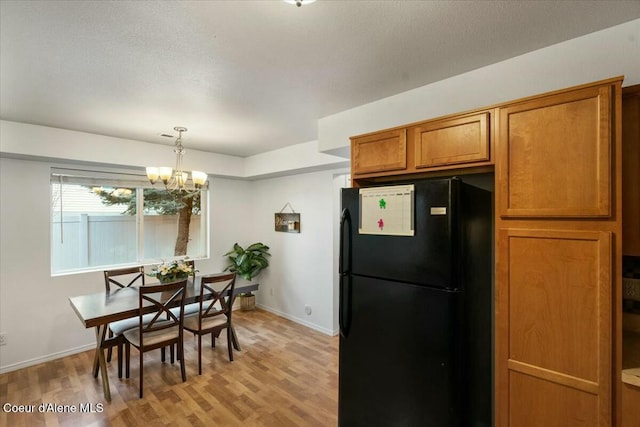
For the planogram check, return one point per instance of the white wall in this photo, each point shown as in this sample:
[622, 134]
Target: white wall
[231, 217]
[302, 269]
[608, 53]
[21, 140]
[297, 158]
[26, 140]
[34, 307]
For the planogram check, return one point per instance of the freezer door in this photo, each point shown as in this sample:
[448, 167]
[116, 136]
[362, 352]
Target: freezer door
[428, 257]
[399, 363]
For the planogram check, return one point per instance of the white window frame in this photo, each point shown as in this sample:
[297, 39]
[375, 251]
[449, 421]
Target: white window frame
[126, 179]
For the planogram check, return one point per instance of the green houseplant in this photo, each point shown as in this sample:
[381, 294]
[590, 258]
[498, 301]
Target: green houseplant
[247, 263]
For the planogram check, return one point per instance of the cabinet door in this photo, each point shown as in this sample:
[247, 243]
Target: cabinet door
[381, 152]
[631, 171]
[630, 406]
[554, 156]
[448, 142]
[553, 346]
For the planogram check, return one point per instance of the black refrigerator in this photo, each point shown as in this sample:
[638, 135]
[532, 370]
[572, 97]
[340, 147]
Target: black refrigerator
[415, 305]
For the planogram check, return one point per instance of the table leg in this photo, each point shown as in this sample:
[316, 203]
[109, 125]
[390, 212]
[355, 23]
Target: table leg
[234, 337]
[100, 363]
[100, 336]
[96, 362]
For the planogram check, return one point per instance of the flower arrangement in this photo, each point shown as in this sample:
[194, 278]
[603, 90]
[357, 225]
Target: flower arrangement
[170, 271]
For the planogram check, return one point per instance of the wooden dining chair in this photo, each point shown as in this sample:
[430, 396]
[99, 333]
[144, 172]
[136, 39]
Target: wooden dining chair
[209, 319]
[124, 277]
[165, 329]
[118, 279]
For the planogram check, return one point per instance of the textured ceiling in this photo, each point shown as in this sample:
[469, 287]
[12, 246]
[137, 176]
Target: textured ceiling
[251, 76]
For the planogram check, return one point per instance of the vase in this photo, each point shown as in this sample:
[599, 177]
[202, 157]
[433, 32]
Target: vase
[169, 278]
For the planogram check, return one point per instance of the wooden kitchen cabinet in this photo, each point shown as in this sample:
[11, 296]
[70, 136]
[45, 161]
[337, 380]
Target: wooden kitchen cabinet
[379, 152]
[556, 160]
[452, 141]
[631, 170]
[630, 406]
[558, 257]
[554, 322]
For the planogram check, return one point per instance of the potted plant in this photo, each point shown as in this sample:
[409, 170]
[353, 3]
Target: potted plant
[247, 263]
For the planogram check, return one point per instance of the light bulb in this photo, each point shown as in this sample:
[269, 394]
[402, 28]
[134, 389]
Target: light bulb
[153, 174]
[165, 174]
[182, 179]
[199, 178]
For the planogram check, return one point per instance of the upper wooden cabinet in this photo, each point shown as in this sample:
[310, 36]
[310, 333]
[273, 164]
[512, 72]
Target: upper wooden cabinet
[555, 155]
[453, 141]
[380, 152]
[631, 171]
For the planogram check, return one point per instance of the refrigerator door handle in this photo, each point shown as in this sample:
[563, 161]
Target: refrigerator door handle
[345, 221]
[344, 312]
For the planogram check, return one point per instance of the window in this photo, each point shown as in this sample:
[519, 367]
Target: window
[104, 220]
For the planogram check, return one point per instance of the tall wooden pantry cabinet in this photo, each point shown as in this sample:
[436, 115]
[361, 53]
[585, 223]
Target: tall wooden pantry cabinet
[558, 256]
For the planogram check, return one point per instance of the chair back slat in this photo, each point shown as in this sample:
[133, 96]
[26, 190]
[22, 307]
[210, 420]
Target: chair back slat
[224, 296]
[134, 276]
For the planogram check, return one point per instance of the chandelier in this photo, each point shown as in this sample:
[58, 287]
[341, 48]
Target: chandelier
[175, 180]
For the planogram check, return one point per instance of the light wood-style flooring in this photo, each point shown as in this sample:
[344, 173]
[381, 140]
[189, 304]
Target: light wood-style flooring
[285, 375]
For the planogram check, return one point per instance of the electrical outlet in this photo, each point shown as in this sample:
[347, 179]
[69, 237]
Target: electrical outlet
[307, 309]
[271, 291]
[3, 339]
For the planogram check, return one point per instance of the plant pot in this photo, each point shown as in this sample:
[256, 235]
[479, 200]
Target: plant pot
[169, 279]
[247, 302]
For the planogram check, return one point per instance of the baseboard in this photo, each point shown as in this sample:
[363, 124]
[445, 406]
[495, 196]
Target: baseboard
[47, 358]
[297, 320]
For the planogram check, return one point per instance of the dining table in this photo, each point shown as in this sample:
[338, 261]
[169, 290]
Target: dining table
[99, 309]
